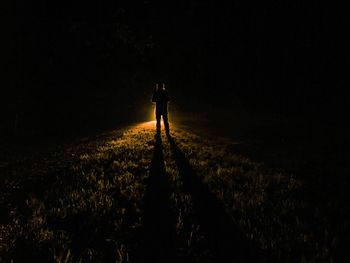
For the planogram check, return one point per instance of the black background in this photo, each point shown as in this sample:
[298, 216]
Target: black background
[80, 65]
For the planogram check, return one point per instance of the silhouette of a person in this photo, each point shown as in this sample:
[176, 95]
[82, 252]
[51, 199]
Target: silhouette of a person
[161, 98]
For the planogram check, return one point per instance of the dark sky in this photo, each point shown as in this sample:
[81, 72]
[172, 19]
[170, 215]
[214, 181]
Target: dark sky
[91, 59]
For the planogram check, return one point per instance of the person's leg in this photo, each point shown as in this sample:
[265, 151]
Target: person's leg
[166, 123]
[158, 122]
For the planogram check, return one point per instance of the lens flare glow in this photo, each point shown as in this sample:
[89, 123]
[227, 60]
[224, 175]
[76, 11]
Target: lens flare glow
[150, 125]
[147, 125]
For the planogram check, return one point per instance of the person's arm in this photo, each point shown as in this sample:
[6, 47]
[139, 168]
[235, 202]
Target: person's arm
[154, 98]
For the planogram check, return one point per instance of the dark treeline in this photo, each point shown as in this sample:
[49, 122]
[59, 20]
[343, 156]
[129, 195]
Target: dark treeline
[86, 64]
[75, 65]
[291, 55]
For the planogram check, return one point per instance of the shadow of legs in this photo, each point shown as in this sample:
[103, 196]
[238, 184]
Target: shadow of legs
[158, 232]
[226, 241]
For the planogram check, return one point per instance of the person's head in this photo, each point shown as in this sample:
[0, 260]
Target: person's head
[160, 86]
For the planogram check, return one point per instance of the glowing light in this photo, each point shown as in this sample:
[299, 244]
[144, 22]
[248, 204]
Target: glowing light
[150, 125]
[152, 113]
[147, 125]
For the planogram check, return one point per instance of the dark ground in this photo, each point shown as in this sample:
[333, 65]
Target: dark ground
[316, 156]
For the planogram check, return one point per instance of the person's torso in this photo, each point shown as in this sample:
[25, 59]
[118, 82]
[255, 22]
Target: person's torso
[162, 100]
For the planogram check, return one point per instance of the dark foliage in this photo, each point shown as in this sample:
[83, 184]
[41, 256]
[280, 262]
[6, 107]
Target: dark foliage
[81, 65]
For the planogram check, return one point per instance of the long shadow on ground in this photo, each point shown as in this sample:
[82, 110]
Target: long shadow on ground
[158, 234]
[226, 242]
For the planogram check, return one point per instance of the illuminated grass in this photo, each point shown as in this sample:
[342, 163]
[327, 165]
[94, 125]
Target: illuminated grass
[86, 204]
[267, 204]
[191, 243]
[92, 209]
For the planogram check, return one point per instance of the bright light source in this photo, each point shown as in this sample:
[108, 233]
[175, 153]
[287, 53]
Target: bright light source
[147, 125]
[150, 125]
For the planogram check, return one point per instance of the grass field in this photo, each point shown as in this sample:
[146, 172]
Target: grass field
[130, 196]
